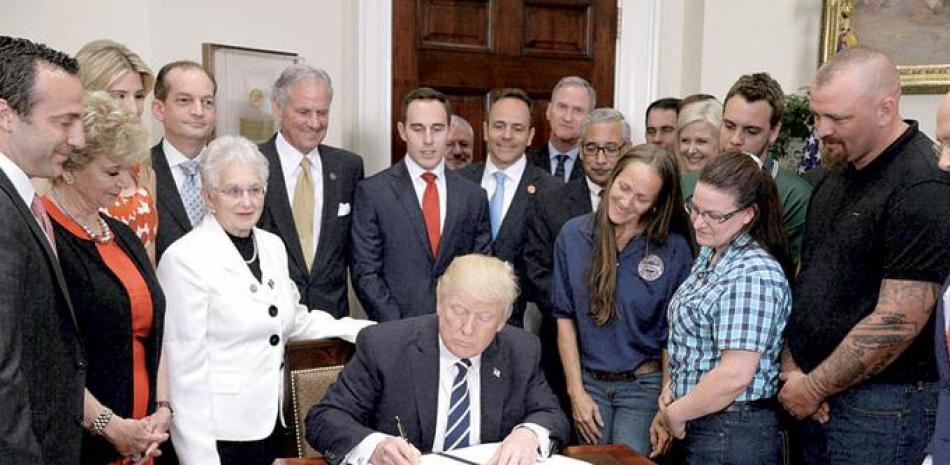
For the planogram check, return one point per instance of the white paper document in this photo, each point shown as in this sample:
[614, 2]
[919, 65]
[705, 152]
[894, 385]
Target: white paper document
[480, 454]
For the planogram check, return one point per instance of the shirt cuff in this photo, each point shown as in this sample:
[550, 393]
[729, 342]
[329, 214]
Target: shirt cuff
[928, 460]
[363, 451]
[544, 438]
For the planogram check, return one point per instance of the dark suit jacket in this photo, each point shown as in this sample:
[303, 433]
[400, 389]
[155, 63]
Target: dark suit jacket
[509, 245]
[103, 313]
[541, 157]
[940, 442]
[42, 365]
[173, 220]
[323, 287]
[396, 372]
[394, 272]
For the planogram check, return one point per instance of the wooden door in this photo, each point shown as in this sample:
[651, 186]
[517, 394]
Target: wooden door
[467, 48]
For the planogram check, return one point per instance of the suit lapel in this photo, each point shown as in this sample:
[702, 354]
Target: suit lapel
[167, 192]
[38, 235]
[494, 386]
[331, 200]
[579, 198]
[515, 214]
[405, 192]
[453, 215]
[278, 205]
[425, 370]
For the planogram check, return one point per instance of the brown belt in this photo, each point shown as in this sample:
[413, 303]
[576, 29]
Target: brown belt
[645, 368]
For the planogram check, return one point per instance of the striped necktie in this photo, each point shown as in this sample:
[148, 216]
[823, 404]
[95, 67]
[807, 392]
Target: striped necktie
[457, 428]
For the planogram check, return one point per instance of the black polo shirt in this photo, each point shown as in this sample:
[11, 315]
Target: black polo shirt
[888, 220]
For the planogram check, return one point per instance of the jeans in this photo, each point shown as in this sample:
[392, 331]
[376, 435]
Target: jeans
[874, 424]
[627, 407]
[745, 436]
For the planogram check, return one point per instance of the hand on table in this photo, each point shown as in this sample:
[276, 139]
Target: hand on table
[395, 451]
[519, 448]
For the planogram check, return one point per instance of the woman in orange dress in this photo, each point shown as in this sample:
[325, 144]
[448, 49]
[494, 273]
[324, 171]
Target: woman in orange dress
[110, 66]
[118, 302]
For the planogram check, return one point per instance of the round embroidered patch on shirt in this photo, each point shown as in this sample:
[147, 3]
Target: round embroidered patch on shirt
[650, 268]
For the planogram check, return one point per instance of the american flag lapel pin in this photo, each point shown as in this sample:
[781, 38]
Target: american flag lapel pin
[496, 372]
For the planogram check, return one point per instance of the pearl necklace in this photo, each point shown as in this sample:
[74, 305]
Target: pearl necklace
[253, 256]
[103, 237]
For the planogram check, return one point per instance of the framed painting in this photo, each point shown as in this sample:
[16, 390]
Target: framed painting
[244, 77]
[914, 33]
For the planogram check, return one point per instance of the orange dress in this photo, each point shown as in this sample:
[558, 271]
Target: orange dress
[141, 301]
[137, 209]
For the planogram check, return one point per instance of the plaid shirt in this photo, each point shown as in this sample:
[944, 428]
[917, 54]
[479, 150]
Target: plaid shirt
[742, 303]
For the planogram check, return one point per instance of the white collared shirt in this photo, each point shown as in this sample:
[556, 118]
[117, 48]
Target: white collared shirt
[513, 174]
[568, 164]
[415, 173]
[19, 179]
[447, 373]
[290, 159]
[175, 158]
[594, 189]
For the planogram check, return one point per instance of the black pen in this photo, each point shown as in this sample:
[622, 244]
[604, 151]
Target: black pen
[458, 459]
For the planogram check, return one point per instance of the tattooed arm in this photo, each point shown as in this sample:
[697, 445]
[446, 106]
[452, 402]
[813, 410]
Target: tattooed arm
[902, 310]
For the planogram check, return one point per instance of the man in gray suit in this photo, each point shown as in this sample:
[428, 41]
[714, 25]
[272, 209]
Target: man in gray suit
[442, 382]
[310, 189]
[42, 366]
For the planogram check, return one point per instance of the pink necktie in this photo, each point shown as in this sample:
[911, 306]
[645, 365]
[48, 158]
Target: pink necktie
[39, 211]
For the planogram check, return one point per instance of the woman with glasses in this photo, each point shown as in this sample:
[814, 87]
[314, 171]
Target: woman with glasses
[231, 308]
[726, 322]
[614, 272]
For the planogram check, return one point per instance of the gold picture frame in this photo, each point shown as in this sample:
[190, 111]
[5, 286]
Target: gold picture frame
[839, 29]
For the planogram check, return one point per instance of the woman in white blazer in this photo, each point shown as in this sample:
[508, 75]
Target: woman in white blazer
[231, 308]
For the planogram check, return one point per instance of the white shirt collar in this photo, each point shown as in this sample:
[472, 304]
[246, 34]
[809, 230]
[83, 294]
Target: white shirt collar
[285, 147]
[514, 171]
[19, 179]
[553, 151]
[447, 356]
[174, 156]
[415, 171]
[593, 186]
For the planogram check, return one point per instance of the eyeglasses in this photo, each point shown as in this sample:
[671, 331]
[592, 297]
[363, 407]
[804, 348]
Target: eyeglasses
[237, 192]
[591, 149]
[710, 217]
[940, 148]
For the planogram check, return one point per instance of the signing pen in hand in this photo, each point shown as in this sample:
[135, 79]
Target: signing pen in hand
[401, 430]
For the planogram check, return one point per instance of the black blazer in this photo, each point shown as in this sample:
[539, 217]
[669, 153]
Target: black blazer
[509, 245]
[42, 364]
[552, 209]
[396, 372]
[940, 441]
[323, 287]
[541, 157]
[103, 312]
[394, 272]
[173, 220]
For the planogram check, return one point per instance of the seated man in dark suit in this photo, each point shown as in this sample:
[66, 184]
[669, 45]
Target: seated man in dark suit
[411, 220]
[448, 381]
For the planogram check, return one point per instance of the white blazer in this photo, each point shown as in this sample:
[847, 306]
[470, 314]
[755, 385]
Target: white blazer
[224, 338]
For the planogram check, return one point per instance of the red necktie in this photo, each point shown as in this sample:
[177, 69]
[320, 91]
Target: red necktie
[430, 211]
[39, 212]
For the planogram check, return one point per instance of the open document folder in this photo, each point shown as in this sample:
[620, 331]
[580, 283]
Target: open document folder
[480, 454]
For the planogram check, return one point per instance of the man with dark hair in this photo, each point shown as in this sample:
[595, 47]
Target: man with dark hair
[572, 99]
[42, 365]
[413, 218]
[509, 181]
[751, 122]
[859, 365]
[184, 104]
[661, 118]
[310, 189]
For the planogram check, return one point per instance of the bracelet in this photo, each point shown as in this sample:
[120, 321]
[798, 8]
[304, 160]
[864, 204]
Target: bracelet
[101, 421]
[166, 404]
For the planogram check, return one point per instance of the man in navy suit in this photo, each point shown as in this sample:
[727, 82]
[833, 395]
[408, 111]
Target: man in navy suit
[510, 182]
[412, 219]
[552, 209]
[42, 366]
[184, 104]
[571, 100]
[437, 383]
[310, 189]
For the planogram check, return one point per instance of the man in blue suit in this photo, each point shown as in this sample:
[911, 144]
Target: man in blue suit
[438, 383]
[411, 220]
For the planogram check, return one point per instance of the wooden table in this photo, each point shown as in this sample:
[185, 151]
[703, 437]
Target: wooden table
[612, 454]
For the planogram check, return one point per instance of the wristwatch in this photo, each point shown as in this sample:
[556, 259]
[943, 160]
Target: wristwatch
[102, 420]
[166, 404]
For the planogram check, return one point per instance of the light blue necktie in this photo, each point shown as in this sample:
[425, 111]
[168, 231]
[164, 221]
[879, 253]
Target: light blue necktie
[496, 206]
[456, 429]
[191, 193]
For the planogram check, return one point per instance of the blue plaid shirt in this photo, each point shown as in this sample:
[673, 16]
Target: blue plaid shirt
[742, 303]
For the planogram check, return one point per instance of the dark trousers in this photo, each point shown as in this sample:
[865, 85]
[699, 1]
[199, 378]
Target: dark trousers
[260, 452]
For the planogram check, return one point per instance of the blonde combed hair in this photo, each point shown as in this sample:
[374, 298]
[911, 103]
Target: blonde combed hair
[481, 277]
[110, 131]
[103, 62]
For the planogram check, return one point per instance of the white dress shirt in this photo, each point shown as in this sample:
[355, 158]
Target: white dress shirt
[513, 175]
[415, 173]
[19, 179]
[290, 159]
[175, 158]
[594, 189]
